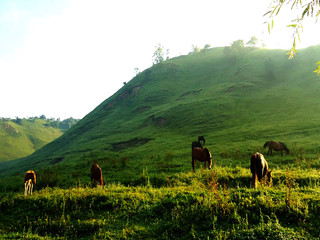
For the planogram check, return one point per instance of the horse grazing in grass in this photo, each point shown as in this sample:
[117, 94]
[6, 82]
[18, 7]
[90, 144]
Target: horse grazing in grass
[259, 169]
[29, 180]
[197, 144]
[277, 146]
[202, 155]
[96, 174]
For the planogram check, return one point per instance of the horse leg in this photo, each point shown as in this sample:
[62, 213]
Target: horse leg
[205, 164]
[25, 189]
[28, 188]
[254, 180]
[31, 188]
[281, 153]
[193, 163]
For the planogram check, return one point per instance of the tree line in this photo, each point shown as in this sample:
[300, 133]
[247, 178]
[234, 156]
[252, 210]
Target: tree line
[161, 53]
[49, 122]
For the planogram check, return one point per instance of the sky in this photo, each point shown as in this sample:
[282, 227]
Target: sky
[62, 58]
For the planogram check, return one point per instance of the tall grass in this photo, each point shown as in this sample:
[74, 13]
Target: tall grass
[192, 206]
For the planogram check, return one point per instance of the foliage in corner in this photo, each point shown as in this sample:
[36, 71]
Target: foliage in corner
[305, 8]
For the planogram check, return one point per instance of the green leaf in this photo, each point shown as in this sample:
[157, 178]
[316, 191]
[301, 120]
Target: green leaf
[278, 10]
[267, 13]
[306, 11]
[299, 36]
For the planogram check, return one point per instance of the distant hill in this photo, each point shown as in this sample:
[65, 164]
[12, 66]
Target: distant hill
[237, 100]
[21, 137]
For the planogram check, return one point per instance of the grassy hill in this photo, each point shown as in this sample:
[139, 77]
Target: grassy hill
[237, 102]
[141, 137]
[21, 137]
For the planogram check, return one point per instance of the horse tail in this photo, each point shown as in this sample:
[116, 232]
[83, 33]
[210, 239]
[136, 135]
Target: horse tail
[266, 144]
[206, 150]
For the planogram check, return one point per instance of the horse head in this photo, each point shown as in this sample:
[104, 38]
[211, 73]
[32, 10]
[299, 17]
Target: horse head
[201, 138]
[269, 176]
[285, 148]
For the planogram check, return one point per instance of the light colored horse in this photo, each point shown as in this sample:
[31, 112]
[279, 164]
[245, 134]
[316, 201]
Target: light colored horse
[29, 181]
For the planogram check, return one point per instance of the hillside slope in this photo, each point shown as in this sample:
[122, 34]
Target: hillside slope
[22, 137]
[237, 102]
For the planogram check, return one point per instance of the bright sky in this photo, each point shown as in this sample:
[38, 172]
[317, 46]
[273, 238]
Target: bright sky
[62, 58]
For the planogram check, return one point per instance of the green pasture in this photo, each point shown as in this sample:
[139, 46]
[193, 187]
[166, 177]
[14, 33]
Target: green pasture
[218, 204]
[141, 137]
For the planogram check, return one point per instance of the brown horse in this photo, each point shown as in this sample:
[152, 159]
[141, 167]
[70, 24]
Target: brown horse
[96, 174]
[259, 168]
[197, 144]
[277, 146]
[202, 155]
[29, 180]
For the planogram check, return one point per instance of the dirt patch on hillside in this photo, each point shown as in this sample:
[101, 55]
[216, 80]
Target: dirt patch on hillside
[127, 93]
[141, 109]
[10, 130]
[190, 93]
[159, 121]
[230, 89]
[130, 143]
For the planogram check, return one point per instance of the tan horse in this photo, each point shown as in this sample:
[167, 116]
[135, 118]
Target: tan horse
[259, 169]
[29, 181]
[96, 174]
[277, 146]
[202, 155]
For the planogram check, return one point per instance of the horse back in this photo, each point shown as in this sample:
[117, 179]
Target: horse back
[201, 154]
[30, 175]
[196, 144]
[96, 173]
[257, 165]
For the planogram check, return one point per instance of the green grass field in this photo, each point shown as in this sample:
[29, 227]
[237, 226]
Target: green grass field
[141, 137]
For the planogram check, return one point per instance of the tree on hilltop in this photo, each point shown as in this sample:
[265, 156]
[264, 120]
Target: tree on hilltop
[160, 54]
[252, 42]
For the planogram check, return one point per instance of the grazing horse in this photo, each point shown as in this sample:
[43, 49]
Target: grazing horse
[259, 168]
[201, 138]
[277, 146]
[29, 180]
[96, 174]
[202, 155]
[197, 144]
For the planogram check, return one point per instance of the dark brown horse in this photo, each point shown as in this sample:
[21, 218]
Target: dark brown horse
[197, 144]
[201, 139]
[277, 146]
[29, 180]
[259, 169]
[202, 155]
[96, 174]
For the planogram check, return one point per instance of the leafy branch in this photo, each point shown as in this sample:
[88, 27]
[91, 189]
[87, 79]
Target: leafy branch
[309, 8]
